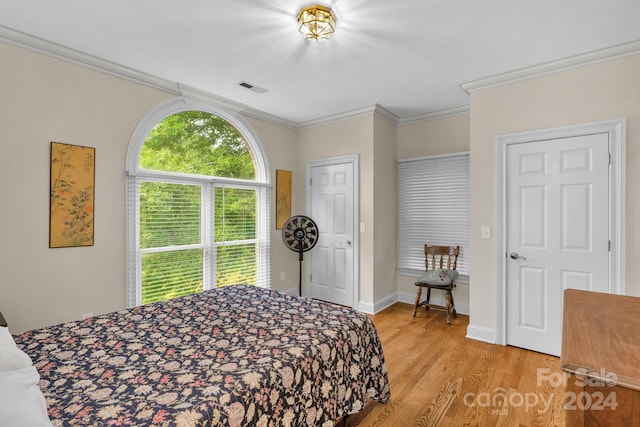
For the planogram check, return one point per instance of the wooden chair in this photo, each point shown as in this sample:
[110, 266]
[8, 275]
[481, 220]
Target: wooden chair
[440, 265]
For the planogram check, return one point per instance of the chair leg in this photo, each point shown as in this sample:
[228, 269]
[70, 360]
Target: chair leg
[417, 300]
[428, 298]
[449, 307]
[454, 313]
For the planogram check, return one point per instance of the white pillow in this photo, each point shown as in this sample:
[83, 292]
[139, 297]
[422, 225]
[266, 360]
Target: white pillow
[11, 357]
[22, 402]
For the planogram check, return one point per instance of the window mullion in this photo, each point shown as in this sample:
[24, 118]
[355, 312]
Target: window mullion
[208, 236]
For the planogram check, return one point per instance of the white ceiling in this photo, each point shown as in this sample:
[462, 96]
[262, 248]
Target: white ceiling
[408, 56]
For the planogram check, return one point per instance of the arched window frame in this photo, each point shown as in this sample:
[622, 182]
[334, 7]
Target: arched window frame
[136, 174]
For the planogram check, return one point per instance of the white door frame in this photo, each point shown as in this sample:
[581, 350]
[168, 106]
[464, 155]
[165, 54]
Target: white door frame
[617, 204]
[353, 159]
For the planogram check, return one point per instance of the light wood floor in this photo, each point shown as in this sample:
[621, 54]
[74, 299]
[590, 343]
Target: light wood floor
[440, 378]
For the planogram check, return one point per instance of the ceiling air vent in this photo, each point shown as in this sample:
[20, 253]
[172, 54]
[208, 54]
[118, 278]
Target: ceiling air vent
[254, 88]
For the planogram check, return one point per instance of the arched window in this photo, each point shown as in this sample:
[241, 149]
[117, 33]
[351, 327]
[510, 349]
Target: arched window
[197, 204]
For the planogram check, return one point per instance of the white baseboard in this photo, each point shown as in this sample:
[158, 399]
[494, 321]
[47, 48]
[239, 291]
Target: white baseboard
[377, 307]
[366, 307]
[479, 333]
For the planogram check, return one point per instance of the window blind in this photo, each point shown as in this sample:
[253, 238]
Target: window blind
[433, 208]
[235, 214]
[172, 251]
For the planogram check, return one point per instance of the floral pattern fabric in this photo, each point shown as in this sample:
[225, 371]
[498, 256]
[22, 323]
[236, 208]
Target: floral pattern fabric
[234, 356]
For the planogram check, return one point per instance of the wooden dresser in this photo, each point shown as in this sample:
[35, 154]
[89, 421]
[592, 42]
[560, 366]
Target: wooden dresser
[601, 358]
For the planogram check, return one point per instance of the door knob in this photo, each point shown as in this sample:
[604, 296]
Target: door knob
[514, 255]
[349, 242]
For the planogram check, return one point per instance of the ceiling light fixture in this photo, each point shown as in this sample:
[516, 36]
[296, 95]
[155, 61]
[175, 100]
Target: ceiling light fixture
[316, 22]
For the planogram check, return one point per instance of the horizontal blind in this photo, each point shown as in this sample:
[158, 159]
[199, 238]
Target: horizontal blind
[235, 264]
[170, 225]
[170, 214]
[433, 208]
[263, 274]
[171, 274]
[235, 214]
[133, 261]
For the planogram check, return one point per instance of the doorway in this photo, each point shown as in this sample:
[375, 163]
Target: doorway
[562, 212]
[332, 202]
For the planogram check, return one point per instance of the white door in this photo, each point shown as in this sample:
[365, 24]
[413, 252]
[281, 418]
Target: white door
[557, 233]
[331, 261]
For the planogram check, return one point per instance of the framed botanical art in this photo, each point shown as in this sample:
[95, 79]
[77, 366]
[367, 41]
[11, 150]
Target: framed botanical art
[283, 197]
[72, 194]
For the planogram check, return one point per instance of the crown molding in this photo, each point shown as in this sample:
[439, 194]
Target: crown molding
[447, 112]
[382, 112]
[358, 112]
[269, 118]
[571, 62]
[374, 109]
[191, 92]
[235, 108]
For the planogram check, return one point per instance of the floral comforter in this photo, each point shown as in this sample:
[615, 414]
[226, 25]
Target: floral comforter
[233, 356]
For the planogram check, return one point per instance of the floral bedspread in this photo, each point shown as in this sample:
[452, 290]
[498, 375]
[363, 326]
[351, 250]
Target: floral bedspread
[234, 356]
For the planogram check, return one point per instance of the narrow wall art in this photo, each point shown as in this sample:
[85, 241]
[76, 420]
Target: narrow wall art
[72, 195]
[283, 197]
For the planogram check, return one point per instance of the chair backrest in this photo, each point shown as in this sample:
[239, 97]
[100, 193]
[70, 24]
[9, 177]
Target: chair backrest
[436, 257]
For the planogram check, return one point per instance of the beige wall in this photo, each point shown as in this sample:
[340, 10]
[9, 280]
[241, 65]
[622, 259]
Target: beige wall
[433, 137]
[384, 222]
[346, 137]
[280, 143]
[609, 90]
[44, 100]
[444, 135]
[373, 139]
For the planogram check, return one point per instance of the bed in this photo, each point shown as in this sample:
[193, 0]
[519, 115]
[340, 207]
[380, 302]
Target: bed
[234, 356]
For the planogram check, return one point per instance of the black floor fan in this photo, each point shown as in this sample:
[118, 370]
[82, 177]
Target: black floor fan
[300, 234]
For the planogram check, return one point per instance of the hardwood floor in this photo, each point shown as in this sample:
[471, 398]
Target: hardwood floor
[440, 378]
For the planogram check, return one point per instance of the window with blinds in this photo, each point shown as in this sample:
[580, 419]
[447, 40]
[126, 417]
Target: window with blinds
[433, 208]
[171, 247]
[235, 235]
[188, 232]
